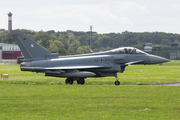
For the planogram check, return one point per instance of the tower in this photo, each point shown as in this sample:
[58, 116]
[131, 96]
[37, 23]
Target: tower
[9, 22]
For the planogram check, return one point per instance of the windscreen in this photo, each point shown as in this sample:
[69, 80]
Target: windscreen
[128, 50]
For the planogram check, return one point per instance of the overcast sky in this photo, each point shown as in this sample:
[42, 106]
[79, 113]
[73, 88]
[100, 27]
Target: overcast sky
[105, 15]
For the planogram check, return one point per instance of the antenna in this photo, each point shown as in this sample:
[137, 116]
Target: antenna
[91, 27]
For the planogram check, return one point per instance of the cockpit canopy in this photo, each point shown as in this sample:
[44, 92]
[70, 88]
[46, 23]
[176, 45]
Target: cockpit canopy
[128, 50]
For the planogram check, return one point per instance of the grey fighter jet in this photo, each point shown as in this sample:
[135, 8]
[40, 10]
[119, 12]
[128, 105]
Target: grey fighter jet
[78, 67]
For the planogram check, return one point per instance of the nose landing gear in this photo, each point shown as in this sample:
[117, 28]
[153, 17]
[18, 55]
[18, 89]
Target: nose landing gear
[116, 82]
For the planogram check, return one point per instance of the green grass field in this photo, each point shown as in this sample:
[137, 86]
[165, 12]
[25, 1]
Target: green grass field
[49, 98]
[133, 75]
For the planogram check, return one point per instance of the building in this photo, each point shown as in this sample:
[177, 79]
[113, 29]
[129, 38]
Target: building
[9, 52]
[147, 47]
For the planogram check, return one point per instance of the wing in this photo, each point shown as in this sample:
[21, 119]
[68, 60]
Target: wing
[134, 62]
[64, 68]
[74, 67]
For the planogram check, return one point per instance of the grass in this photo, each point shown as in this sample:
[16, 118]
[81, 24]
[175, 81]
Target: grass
[89, 102]
[49, 98]
[133, 75]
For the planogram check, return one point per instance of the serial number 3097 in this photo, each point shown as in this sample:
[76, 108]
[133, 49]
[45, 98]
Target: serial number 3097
[101, 60]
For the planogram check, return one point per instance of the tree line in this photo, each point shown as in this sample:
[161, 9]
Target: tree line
[77, 42]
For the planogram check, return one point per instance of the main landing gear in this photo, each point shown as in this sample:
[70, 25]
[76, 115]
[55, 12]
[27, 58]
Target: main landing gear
[116, 82]
[70, 81]
[81, 81]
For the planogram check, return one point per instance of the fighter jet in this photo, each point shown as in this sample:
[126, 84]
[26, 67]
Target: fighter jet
[78, 67]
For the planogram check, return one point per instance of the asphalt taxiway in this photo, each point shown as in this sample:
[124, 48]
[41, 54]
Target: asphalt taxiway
[172, 84]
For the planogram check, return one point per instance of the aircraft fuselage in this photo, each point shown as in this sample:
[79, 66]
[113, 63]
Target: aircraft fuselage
[77, 67]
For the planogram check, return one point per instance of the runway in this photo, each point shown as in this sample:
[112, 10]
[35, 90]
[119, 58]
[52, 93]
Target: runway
[169, 84]
[172, 84]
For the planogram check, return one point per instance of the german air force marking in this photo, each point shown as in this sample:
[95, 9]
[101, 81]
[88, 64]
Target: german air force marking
[101, 60]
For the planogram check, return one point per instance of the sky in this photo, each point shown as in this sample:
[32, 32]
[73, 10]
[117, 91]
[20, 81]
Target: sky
[106, 16]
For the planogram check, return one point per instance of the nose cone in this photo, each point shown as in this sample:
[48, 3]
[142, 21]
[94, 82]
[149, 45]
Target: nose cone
[156, 59]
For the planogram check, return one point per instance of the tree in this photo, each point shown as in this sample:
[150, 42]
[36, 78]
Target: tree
[50, 31]
[165, 42]
[57, 47]
[44, 38]
[53, 47]
[74, 45]
[83, 50]
[71, 37]
[105, 41]
[83, 40]
[139, 45]
[64, 40]
[7, 38]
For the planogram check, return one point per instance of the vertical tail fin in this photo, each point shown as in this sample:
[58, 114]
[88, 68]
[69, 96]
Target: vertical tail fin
[29, 48]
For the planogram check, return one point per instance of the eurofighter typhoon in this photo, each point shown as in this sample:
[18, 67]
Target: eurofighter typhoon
[78, 67]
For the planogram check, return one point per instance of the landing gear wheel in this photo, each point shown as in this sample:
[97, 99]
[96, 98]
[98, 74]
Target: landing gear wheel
[117, 83]
[69, 81]
[81, 81]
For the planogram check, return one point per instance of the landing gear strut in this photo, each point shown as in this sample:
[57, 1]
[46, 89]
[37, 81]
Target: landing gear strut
[69, 81]
[116, 82]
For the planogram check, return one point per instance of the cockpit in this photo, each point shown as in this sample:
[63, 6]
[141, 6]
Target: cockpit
[128, 50]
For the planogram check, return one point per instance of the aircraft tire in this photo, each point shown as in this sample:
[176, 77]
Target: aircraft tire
[81, 81]
[117, 83]
[69, 81]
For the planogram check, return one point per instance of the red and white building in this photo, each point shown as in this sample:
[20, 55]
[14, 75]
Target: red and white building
[9, 52]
